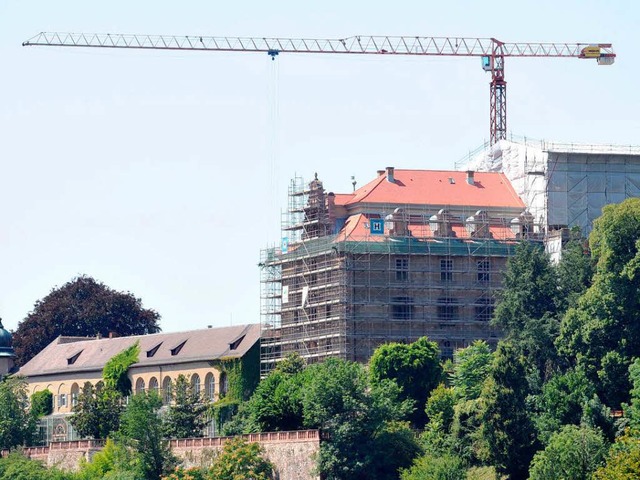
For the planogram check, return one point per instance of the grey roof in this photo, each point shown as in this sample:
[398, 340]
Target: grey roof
[198, 345]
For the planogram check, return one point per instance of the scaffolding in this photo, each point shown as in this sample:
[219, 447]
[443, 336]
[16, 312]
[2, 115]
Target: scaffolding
[336, 294]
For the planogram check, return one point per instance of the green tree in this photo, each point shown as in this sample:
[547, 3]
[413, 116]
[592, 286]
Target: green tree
[113, 459]
[115, 371]
[440, 405]
[506, 426]
[18, 467]
[185, 416]
[41, 403]
[526, 312]
[430, 467]
[81, 307]
[97, 412]
[561, 402]
[573, 453]
[632, 412]
[241, 460]
[623, 459]
[601, 333]
[414, 367]
[141, 429]
[471, 367]
[17, 425]
[339, 399]
[574, 272]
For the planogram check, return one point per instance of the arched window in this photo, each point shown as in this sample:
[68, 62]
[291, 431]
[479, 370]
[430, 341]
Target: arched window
[195, 383]
[209, 386]
[62, 396]
[153, 384]
[166, 391]
[75, 391]
[139, 385]
[224, 384]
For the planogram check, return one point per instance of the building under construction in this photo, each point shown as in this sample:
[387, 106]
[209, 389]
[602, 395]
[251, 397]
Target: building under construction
[411, 253]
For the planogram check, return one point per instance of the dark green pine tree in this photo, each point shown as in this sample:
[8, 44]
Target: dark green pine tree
[507, 429]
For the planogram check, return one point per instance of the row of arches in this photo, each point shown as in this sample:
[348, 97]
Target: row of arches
[206, 390]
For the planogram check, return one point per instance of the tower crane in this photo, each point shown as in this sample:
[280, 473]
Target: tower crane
[491, 51]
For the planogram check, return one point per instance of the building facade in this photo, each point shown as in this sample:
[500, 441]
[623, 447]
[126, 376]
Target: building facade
[65, 365]
[412, 253]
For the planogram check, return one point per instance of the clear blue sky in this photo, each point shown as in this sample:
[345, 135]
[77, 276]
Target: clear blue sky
[164, 173]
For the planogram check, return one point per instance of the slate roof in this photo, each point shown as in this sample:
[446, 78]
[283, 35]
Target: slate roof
[172, 348]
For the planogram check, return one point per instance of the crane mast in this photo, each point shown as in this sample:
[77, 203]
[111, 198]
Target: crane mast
[491, 51]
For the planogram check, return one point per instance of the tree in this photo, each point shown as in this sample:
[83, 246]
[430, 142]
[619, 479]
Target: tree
[339, 399]
[440, 405]
[601, 333]
[113, 459]
[561, 402]
[526, 312]
[471, 367]
[574, 272]
[41, 403]
[623, 459]
[574, 452]
[429, 467]
[414, 367]
[18, 467]
[81, 307]
[185, 416]
[17, 425]
[506, 427]
[141, 429]
[97, 412]
[239, 460]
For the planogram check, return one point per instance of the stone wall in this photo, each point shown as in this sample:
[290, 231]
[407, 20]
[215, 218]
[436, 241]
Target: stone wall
[292, 453]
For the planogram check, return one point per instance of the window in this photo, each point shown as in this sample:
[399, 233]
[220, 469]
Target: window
[166, 390]
[484, 271]
[236, 343]
[139, 385]
[176, 350]
[484, 309]
[71, 360]
[402, 269]
[153, 384]
[209, 386]
[152, 352]
[446, 270]
[447, 309]
[75, 390]
[224, 384]
[328, 311]
[313, 313]
[402, 308]
[62, 400]
[195, 383]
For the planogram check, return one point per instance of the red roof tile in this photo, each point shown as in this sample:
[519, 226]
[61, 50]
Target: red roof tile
[439, 187]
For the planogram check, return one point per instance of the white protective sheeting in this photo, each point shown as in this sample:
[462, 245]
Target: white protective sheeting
[564, 185]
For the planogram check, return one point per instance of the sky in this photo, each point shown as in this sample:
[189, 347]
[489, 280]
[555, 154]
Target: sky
[164, 174]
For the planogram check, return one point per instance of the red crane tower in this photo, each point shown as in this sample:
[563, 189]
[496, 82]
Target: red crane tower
[491, 51]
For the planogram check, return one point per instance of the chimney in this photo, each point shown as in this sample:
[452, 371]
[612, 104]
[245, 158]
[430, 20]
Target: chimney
[470, 180]
[113, 335]
[380, 173]
[390, 175]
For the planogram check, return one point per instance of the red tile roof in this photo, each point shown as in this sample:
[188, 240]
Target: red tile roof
[434, 187]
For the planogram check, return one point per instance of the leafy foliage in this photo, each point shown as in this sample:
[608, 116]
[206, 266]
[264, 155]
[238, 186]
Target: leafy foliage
[415, 367]
[185, 416]
[429, 467]
[440, 406]
[17, 425]
[240, 460]
[41, 403]
[97, 412]
[573, 452]
[114, 459]
[471, 367]
[623, 459]
[506, 426]
[141, 429]
[18, 467]
[115, 370]
[81, 307]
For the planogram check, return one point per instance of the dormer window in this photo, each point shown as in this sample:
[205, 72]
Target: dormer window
[152, 352]
[234, 345]
[71, 360]
[176, 350]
